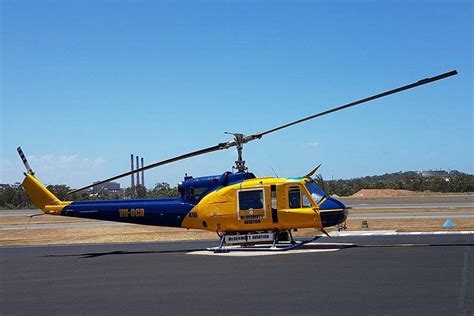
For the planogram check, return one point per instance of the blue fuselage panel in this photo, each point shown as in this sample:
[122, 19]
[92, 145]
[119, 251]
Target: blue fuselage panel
[159, 212]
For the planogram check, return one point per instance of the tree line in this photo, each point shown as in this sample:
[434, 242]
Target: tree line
[14, 196]
[455, 181]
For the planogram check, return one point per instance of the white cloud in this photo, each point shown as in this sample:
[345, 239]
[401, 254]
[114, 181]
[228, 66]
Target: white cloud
[313, 144]
[64, 162]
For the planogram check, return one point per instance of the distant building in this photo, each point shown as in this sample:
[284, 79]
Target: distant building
[109, 186]
[434, 173]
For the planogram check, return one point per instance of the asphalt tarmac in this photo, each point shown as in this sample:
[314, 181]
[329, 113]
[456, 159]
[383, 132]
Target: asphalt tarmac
[390, 275]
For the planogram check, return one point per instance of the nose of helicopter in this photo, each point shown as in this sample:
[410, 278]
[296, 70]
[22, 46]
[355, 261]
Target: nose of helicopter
[332, 212]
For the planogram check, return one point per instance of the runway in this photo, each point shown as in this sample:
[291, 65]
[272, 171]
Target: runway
[394, 275]
[433, 202]
[436, 202]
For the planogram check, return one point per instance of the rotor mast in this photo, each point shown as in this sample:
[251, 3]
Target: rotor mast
[239, 140]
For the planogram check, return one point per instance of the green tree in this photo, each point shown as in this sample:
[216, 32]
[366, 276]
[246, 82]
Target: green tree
[140, 191]
[164, 190]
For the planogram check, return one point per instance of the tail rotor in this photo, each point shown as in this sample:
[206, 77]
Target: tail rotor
[25, 161]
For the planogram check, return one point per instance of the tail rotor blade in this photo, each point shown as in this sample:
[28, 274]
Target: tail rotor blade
[25, 161]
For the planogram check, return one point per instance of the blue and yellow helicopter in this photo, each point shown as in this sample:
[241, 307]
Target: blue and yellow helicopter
[240, 207]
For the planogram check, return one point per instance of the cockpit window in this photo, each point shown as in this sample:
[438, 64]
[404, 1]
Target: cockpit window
[316, 192]
[306, 202]
[296, 196]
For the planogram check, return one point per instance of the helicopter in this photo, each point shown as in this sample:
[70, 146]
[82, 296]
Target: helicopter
[241, 208]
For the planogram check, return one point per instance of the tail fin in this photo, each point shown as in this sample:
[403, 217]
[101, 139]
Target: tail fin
[38, 193]
[41, 197]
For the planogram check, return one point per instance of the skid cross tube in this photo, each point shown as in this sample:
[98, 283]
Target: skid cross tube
[275, 245]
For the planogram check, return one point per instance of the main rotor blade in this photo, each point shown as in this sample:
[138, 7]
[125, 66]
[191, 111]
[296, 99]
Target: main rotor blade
[160, 163]
[239, 142]
[348, 105]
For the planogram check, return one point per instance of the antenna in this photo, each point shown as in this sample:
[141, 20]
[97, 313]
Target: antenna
[274, 172]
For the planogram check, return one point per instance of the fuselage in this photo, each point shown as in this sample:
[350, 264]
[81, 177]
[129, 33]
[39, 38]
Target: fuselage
[232, 202]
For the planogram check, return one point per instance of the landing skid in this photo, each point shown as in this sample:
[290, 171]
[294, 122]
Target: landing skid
[275, 246]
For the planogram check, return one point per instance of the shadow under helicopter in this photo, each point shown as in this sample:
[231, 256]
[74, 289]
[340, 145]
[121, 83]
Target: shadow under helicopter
[338, 246]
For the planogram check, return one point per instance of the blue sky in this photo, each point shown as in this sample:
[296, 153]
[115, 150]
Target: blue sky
[86, 83]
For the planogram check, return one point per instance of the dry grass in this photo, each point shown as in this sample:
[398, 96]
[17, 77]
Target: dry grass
[111, 234]
[43, 219]
[139, 233]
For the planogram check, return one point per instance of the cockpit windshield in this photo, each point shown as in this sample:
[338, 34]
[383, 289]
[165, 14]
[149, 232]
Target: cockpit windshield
[316, 192]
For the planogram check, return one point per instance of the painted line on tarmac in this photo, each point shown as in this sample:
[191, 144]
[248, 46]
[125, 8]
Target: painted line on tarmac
[265, 250]
[394, 233]
[257, 253]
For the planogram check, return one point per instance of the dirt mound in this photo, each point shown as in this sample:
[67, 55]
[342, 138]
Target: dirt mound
[382, 193]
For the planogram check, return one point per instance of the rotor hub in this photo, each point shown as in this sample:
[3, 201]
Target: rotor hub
[239, 141]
